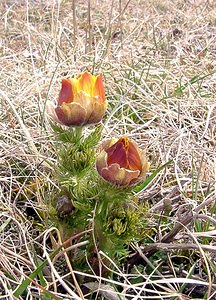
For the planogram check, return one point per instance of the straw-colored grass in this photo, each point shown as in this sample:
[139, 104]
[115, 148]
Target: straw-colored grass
[158, 64]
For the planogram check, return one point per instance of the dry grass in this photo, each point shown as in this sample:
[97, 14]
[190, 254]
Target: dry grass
[158, 61]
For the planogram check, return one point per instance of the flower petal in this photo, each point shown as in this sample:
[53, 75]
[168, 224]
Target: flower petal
[71, 114]
[85, 101]
[131, 177]
[101, 161]
[119, 176]
[133, 157]
[145, 164]
[50, 110]
[86, 82]
[108, 143]
[98, 89]
[66, 93]
[117, 154]
[98, 112]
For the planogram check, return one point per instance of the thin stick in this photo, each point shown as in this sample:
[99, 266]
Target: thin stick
[74, 27]
[169, 247]
[71, 269]
[120, 21]
[66, 287]
[89, 25]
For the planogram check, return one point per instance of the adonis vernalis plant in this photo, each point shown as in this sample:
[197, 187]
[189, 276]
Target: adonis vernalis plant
[96, 186]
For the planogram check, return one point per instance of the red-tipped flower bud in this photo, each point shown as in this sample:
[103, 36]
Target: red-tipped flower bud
[122, 162]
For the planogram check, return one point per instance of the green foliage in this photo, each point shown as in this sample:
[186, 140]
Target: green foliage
[76, 153]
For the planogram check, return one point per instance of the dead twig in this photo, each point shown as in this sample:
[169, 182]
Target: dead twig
[168, 247]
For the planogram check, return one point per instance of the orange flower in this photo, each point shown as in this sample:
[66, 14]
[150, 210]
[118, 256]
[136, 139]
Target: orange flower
[122, 162]
[81, 101]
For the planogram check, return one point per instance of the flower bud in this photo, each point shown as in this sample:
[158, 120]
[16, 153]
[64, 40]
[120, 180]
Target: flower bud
[122, 162]
[81, 101]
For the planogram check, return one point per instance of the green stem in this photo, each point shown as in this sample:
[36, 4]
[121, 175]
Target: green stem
[78, 132]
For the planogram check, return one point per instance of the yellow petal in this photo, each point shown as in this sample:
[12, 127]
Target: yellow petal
[86, 82]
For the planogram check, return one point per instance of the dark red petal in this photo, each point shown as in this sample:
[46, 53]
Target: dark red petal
[66, 93]
[133, 158]
[117, 154]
